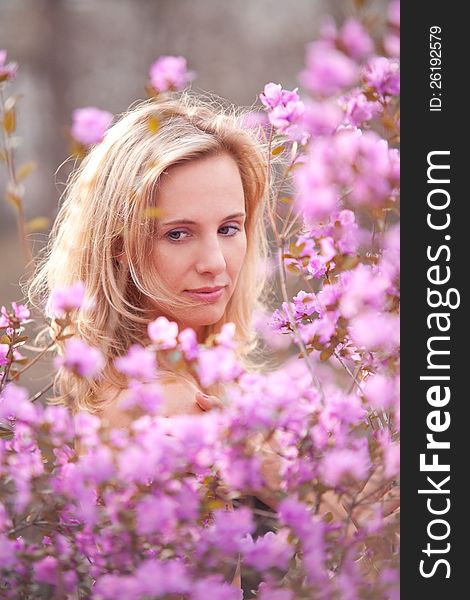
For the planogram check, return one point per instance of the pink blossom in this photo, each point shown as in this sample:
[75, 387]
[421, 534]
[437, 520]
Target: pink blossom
[226, 336]
[20, 313]
[364, 287]
[7, 70]
[90, 124]
[380, 391]
[217, 364]
[306, 304]
[321, 118]
[80, 358]
[274, 95]
[163, 333]
[394, 13]
[45, 570]
[260, 323]
[86, 427]
[359, 109]
[392, 460]
[169, 73]
[138, 363]
[352, 39]
[392, 45]
[327, 70]
[231, 527]
[355, 40]
[4, 348]
[98, 465]
[219, 590]
[15, 404]
[267, 551]
[340, 462]
[156, 515]
[374, 330]
[267, 592]
[188, 343]
[383, 75]
[148, 397]
[315, 199]
[284, 116]
[65, 299]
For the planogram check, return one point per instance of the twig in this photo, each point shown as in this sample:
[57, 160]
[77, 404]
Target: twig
[41, 392]
[299, 341]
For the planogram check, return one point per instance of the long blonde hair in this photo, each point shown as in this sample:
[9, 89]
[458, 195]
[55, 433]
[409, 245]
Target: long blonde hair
[108, 212]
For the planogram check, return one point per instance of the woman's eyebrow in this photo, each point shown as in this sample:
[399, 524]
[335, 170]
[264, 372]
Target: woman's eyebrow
[189, 222]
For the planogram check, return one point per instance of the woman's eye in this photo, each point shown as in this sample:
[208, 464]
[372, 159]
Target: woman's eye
[178, 235]
[229, 229]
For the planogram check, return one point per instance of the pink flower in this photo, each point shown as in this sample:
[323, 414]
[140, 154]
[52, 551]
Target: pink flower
[138, 363]
[226, 336]
[266, 592]
[45, 570]
[4, 348]
[217, 364]
[355, 40]
[260, 322]
[163, 333]
[394, 13]
[321, 118]
[338, 463]
[359, 109]
[231, 527]
[274, 95]
[352, 39]
[392, 45]
[21, 312]
[169, 73]
[7, 70]
[148, 397]
[80, 358]
[90, 124]
[219, 590]
[284, 116]
[268, 551]
[380, 391]
[65, 299]
[15, 404]
[373, 330]
[315, 199]
[327, 70]
[188, 343]
[383, 74]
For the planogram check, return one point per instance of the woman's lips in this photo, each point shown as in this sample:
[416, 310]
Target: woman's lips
[206, 296]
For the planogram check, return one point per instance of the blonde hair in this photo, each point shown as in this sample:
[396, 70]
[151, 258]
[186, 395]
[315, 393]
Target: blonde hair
[108, 212]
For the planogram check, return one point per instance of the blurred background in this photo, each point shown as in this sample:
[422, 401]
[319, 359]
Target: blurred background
[76, 53]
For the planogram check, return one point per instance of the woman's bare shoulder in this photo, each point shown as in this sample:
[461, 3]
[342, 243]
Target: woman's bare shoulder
[178, 398]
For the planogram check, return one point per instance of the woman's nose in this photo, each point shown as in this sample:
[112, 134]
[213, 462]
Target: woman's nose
[211, 258]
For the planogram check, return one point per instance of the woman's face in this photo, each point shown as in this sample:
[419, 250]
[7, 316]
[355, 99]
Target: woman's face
[201, 242]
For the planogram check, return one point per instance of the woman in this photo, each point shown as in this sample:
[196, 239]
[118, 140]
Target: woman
[164, 217]
[117, 231]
